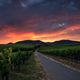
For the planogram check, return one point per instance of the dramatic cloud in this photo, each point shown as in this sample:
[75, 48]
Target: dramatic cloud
[46, 20]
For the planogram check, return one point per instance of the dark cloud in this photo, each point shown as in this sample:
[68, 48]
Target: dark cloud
[38, 16]
[17, 11]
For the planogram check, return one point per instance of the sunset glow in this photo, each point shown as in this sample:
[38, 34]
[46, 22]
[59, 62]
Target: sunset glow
[42, 20]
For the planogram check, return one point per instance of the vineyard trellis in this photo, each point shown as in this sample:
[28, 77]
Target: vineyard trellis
[10, 61]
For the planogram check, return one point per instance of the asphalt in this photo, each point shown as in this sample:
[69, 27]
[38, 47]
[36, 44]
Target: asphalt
[56, 71]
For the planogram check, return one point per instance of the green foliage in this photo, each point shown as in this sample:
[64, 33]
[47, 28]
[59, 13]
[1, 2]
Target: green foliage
[19, 58]
[17, 47]
[5, 64]
[66, 51]
[12, 57]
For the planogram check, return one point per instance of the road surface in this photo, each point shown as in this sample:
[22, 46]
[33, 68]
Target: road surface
[57, 71]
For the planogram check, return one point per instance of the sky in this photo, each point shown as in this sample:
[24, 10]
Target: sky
[46, 20]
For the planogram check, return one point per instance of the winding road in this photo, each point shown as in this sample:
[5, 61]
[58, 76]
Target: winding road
[57, 71]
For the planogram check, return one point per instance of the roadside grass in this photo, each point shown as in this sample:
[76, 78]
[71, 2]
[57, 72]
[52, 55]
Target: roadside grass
[31, 70]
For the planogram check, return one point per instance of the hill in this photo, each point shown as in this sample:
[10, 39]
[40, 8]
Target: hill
[30, 42]
[38, 42]
[66, 42]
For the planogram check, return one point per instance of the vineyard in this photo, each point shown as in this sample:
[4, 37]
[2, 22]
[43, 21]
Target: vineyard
[12, 57]
[71, 52]
[18, 62]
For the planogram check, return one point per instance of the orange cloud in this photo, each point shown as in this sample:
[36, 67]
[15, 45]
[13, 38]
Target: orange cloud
[63, 34]
[13, 35]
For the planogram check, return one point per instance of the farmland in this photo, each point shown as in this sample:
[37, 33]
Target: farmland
[68, 52]
[18, 62]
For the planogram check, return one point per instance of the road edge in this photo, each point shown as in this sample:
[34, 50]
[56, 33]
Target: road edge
[69, 67]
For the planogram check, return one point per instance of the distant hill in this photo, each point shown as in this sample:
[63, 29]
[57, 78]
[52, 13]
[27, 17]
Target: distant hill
[66, 42]
[38, 42]
[30, 42]
[10, 43]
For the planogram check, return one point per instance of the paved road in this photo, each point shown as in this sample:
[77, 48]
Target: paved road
[57, 71]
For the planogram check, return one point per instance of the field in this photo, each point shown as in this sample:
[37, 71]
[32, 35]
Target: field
[18, 62]
[65, 52]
